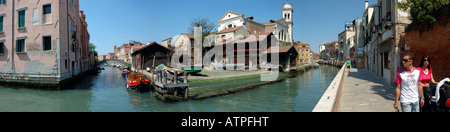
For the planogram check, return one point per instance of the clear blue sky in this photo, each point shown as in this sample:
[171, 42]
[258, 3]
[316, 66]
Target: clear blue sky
[117, 21]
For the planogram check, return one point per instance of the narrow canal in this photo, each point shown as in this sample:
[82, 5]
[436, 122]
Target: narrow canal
[106, 92]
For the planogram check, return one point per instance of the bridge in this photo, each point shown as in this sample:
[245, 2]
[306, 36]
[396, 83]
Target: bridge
[113, 61]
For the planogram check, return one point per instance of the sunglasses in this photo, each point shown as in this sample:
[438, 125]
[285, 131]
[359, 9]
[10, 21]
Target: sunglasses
[425, 60]
[406, 60]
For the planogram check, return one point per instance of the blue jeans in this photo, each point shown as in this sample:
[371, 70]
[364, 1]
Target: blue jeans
[410, 106]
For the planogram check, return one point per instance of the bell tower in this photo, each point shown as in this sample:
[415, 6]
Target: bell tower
[287, 15]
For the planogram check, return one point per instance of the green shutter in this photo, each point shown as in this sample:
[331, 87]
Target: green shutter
[21, 19]
[1, 23]
[17, 46]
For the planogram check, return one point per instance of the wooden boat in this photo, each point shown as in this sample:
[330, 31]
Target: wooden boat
[192, 70]
[136, 82]
[125, 72]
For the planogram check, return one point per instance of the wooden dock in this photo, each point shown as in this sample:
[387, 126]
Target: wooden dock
[169, 86]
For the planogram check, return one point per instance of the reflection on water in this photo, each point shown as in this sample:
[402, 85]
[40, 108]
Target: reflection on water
[107, 92]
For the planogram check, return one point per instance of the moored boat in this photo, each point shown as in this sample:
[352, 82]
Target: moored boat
[136, 82]
[316, 65]
[125, 72]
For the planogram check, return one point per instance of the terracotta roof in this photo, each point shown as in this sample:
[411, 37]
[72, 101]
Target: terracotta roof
[191, 36]
[230, 29]
[281, 49]
[330, 42]
[246, 38]
[137, 47]
[149, 45]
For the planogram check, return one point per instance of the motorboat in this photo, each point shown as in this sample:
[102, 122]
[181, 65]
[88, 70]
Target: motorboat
[125, 72]
[316, 65]
[136, 82]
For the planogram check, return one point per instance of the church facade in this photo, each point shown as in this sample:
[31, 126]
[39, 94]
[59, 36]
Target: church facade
[233, 24]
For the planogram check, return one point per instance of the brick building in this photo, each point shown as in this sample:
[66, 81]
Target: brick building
[433, 41]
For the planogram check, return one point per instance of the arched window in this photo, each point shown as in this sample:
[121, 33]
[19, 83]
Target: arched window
[289, 16]
[285, 16]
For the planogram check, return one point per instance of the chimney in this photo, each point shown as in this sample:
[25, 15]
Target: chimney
[366, 3]
[250, 18]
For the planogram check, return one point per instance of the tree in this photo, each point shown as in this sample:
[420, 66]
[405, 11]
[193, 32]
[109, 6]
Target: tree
[92, 49]
[422, 11]
[206, 25]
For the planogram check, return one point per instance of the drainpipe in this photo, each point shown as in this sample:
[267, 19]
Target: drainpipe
[68, 36]
[13, 51]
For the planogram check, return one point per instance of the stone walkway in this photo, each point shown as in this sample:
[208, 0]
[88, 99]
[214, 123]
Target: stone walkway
[363, 91]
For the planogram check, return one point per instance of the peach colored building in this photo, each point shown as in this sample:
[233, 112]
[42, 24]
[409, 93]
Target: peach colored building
[43, 39]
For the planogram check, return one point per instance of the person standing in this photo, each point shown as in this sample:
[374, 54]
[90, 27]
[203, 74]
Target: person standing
[348, 64]
[409, 86]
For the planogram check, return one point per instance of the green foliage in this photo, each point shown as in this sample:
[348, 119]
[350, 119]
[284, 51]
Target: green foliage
[92, 48]
[422, 11]
[287, 44]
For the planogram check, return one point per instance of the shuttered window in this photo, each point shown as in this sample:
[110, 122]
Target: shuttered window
[20, 45]
[1, 23]
[22, 19]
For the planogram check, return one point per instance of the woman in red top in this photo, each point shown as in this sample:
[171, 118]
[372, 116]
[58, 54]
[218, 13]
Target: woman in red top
[427, 78]
[427, 72]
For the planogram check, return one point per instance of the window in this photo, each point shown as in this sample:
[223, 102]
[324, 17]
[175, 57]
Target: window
[279, 35]
[72, 27]
[388, 10]
[35, 19]
[1, 23]
[71, 3]
[230, 26]
[20, 45]
[1, 47]
[2, 2]
[289, 16]
[47, 9]
[47, 14]
[65, 64]
[47, 43]
[386, 60]
[22, 19]
[380, 13]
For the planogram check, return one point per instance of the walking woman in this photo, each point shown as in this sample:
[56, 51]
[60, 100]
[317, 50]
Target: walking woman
[427, 79]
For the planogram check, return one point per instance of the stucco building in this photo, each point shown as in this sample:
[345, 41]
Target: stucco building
[384, 26]
[46, 38]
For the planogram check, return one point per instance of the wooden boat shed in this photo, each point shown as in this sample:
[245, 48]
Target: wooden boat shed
[151, 56]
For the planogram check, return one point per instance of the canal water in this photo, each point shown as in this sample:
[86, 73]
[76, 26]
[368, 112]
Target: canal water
[106, 92]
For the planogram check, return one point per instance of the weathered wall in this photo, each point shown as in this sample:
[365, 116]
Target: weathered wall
[433, 41]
